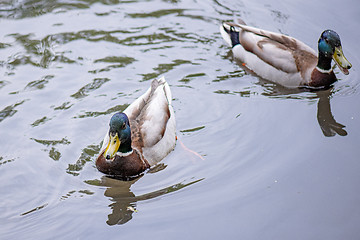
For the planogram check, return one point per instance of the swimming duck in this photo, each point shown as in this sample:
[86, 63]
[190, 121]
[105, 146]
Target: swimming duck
[283, 59]
[141, 135]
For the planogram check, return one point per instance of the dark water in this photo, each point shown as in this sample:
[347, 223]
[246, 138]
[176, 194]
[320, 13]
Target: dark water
[278, 164]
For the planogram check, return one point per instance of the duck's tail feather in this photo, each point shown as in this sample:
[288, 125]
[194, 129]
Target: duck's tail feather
[230, 33]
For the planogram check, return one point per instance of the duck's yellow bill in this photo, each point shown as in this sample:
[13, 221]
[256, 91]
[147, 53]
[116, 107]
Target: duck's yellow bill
[341, 60]
[112, 147]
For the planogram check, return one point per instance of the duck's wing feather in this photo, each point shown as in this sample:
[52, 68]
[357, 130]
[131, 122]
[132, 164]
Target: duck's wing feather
[149, 115]
[278, 50]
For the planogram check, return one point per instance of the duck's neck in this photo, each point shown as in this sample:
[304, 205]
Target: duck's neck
[125, 147]
[324, 63]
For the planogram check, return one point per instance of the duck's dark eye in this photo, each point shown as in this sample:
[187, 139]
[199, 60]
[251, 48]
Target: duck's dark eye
[123, 126]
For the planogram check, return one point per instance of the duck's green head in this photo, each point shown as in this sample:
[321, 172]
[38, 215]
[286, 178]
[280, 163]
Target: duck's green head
[329, 46]
[119, 136]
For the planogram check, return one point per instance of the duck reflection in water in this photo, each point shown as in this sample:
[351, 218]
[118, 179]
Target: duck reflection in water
[124, 201]
[326, 120]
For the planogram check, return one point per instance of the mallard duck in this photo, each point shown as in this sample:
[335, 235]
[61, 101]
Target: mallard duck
[286, 60]
[141, 135]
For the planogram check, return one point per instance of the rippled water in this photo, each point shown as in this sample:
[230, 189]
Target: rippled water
[277, 164]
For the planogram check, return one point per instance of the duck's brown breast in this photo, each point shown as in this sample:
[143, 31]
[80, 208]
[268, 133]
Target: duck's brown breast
[320, 79]
[126, 166]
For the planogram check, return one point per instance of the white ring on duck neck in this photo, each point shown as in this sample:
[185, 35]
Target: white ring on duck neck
[324, 71]
[121, 154]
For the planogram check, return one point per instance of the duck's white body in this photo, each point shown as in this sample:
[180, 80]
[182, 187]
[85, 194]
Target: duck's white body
[273, 56]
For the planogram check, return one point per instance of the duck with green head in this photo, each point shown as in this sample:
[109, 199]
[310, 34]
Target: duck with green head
[141, 136]
[283, 59]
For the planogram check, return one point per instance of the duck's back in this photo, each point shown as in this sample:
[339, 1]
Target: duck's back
[152, 122]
